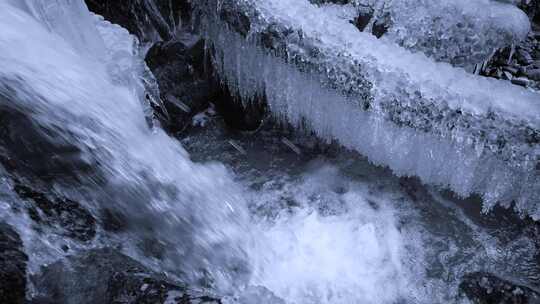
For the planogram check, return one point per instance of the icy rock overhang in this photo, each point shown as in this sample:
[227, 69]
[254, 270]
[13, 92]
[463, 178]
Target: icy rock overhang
[461, 32]
[401, 110]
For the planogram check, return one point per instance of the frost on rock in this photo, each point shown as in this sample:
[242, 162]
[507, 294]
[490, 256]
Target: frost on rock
[461, 32]
[402, 110]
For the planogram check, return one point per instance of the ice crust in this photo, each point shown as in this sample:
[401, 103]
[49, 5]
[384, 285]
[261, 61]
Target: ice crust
[461, 32]
[401, 110]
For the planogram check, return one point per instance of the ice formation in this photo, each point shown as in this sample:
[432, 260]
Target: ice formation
[402, 110]
[461, 32]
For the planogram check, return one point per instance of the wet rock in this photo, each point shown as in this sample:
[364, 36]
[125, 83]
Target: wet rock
[240, 115]
[108, 276]
[510, 69]
[32, 149]
[521, 81]
[365, 14]
[381, 26]
[12, 266]
[183, 78]
[485, 288]
[237, 20]
[70, 217]
[524, 57]
[113, 220]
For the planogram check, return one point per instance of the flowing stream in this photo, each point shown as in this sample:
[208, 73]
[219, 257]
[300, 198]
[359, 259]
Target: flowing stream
[256, 224]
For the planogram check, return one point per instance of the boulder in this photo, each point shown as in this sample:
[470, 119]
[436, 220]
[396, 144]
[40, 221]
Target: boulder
[108, 276]
[12, 266]
[184, 82]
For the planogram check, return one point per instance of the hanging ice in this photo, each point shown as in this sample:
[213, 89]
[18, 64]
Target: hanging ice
[402, 110]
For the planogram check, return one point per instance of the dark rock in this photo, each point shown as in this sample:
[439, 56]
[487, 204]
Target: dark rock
[113, 220]
[485, 288]
[32, 149]
[512, 70]
[523, 56]
[521, 81]
[364, 17]
[69, 216]
[381, 26]
[241, 115]
[184, 81]
[12, 266]
[107, 276]
[532, 8]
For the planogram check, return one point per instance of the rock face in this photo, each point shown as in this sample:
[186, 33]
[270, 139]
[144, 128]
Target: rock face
[107, 276]
[184, 82]
[32, 149]
[70, 217]
[12, 266]
[40, 154]
[485, 288]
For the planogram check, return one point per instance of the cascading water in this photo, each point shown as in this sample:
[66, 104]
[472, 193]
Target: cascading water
[145, 174]
[266, 227]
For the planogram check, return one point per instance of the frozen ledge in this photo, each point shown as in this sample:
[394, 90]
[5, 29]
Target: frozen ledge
[401, 110]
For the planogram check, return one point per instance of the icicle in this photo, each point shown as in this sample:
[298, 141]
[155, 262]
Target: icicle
[372, 103]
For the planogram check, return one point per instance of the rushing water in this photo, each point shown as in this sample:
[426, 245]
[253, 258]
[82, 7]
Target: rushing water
[335, 229]
[324, 226]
